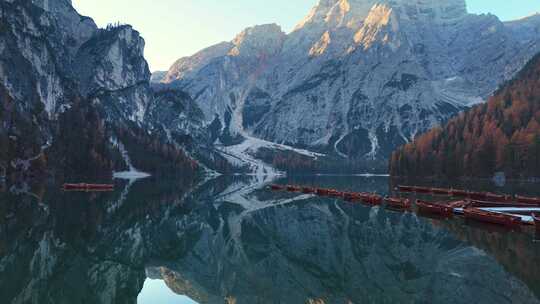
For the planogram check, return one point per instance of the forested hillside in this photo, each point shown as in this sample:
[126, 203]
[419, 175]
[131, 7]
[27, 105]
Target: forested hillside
[502, 135]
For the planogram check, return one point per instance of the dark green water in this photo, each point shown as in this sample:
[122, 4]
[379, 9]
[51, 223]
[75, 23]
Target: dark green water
[229, 241]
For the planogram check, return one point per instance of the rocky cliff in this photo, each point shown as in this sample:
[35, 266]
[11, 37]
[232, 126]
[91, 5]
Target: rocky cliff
[72, 93]
[355, 78]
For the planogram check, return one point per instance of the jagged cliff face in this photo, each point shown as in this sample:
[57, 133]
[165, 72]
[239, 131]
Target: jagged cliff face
[58, 72]
[111, 69]
[41, 38]
[356, 78]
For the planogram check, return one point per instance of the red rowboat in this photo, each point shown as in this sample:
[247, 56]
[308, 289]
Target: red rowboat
[401, 203]
[321, 191]
[502, 198]
[405, 188]
[440, 191]
[422, 190]
[459, 193]
[83, 186]
[528, 200]
[293, 188]
[491, 217]
[458, 204]
[335, 193]
[478, 203]
[277, 187]
[373, 199]
[308, 190]
[443, 210]
[349, 196]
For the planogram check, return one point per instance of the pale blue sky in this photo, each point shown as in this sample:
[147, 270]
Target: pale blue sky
[177, 28]
[157, 292]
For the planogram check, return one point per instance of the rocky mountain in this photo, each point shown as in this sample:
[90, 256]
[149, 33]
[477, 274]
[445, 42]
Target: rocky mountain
[75, 97]
[355, 78]
[502, 135]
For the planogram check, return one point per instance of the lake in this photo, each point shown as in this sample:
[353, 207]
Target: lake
[230, 240]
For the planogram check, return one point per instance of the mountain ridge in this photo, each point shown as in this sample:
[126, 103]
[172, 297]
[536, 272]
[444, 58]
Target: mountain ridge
[357, 90]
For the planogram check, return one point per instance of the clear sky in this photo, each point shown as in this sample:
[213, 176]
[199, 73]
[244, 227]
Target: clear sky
[177, 28]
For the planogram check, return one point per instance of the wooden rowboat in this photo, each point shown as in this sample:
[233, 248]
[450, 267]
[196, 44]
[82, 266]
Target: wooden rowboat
[400, 203]
[479, 203]
[277, 187]
[528, 200]
[458, 204]
[491, 217]
[422, 190]
[335, 193]
[350, 196]
[438, 209]
[373, 199]
[502, 198]
[405, 188]
[88, 187]
[293, 188]
[441, 191]
[308, 190]
[321, 191]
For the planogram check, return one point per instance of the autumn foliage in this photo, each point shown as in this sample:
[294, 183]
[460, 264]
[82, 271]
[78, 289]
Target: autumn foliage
[502, 135]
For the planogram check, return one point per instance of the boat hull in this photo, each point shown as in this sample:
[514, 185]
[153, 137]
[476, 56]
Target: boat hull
[88, 187]
[422, 190]
[528, 200]
[491, 218]
[308, 190]
[428, 208]
[293, 189]
[405, 188]
[477, 203]
[438, 191]
[398, 203]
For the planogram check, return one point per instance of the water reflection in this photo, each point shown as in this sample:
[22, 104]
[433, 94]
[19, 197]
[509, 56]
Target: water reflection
[230, 241]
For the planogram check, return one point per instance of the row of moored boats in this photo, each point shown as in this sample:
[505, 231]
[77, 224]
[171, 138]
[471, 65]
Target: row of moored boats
[88, 187]
[472, 205]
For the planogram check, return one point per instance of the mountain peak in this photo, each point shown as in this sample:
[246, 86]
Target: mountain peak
[351, 13]
[257, 40]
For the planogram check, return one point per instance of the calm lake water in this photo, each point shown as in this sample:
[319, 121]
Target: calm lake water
[229, 240]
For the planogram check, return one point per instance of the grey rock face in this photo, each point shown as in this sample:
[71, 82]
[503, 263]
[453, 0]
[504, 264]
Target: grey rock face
[356, 77]
[176, 115]
[112, 60]
[52, 60]
[187, 65]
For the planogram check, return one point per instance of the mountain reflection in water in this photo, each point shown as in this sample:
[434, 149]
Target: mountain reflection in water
[226, 241]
